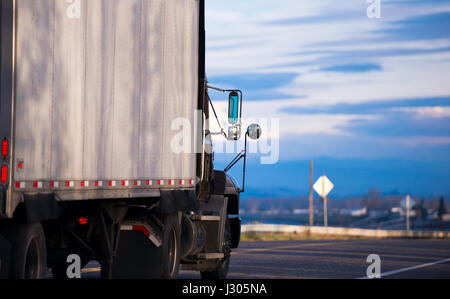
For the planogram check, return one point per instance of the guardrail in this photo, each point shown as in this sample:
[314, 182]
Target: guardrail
[342, 231]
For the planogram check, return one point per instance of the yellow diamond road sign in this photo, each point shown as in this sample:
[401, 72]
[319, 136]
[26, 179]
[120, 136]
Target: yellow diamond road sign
[323, 186]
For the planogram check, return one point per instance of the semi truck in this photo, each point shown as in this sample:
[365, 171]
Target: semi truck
[92, 95]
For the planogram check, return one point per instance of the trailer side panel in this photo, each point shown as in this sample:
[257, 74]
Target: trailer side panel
[97, 92]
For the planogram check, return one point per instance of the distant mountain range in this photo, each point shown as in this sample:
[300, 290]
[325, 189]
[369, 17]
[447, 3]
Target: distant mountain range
[351, 177]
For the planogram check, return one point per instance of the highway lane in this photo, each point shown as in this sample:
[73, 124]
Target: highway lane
[332, 259]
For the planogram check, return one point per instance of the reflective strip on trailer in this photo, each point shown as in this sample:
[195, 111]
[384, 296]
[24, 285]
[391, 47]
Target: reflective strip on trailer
[37, 185]
[146, 229]
[21, 185]
[84, 184]
[70, 184]
[137, 183]
[105, 184]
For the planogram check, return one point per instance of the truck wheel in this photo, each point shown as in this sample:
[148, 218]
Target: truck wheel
[29, 255]
[222, 266]
[171, 247]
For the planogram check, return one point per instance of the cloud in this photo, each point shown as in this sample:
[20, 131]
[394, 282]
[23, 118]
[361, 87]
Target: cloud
[399, 124]
[407, 77]
[353, 68]
[425, 27]
[256, 81]
[263, 33]
[371, 107]
[256, 86]
[316, 19]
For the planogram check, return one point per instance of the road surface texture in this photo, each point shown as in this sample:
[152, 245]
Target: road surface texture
[332, 259]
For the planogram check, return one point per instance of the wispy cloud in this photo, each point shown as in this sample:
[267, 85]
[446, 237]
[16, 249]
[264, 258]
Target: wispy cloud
[352, 68]
[257, 86]
[372, 107]
[399, 124]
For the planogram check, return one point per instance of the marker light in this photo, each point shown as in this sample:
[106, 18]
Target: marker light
[5, 147]
[82, 221]
[4, 175]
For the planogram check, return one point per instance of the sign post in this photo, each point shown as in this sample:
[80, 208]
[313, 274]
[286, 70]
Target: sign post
[323, 187]
[407, 203]
[408, 207]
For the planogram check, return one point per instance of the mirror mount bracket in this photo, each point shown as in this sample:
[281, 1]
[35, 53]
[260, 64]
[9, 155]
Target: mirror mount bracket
[240, 156]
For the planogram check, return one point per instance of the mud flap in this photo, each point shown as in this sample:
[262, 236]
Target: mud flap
[137, 257]
[235, 230]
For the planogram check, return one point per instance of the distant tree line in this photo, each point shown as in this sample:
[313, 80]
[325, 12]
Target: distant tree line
[373, 200]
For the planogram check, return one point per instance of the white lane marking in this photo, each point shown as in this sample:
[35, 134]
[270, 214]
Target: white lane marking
[410, 268]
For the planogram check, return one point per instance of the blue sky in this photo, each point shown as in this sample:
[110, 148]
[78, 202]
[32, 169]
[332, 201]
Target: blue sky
[369, 97]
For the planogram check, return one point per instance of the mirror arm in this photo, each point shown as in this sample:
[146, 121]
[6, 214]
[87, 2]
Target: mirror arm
[234, 161]
[222, 131]
[215, 88]
[245, 164]
[241, 155]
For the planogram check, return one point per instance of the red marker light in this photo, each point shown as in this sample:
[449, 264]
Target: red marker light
[82, 221]
[5, 148]
[4, 176]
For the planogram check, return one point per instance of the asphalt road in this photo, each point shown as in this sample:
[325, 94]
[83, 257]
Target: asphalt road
[332, 259]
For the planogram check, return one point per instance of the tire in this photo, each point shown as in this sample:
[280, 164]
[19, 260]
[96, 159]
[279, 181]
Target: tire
[222, 266]
[171, 247]
[29, 255]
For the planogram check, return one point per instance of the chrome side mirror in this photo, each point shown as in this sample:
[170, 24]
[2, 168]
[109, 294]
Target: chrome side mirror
[254, 131]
